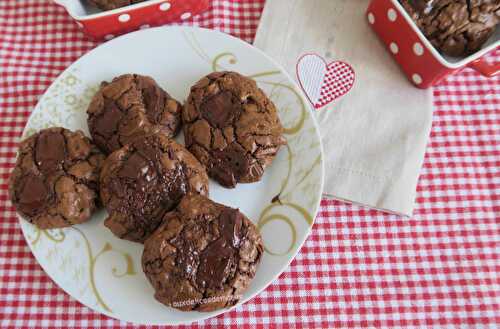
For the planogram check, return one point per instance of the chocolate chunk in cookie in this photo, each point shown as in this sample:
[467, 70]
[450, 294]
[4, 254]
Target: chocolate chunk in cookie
[203, 256]
[145, 179]
[112, 4]
[232, 127]
[128, 107]
[56, 178]
[455, 27]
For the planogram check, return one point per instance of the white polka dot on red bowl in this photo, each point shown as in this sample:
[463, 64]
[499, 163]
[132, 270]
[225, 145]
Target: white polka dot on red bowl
[394, 48]
[418, 49]
[371, 18]
[124, 18]
[186, 15]
[165, 6]
[417, 78]
[392, 15]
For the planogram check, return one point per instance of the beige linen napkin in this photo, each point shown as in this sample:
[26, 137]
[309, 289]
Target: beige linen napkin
[374, 137]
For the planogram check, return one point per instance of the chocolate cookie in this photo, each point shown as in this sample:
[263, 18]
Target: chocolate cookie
[203, 256]
[129, 107]
[145, 179]
[55, 180]
[112, 4]
[455, 27]
[232, 127]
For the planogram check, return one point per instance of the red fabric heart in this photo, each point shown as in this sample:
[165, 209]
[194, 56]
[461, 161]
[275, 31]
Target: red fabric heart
[324, 82]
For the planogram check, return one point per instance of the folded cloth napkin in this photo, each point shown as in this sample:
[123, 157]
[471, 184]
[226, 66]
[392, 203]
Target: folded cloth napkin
[374, 136]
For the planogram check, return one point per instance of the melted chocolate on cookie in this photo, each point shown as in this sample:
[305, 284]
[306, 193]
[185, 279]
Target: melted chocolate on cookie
[54, 183]
[232, 127]
[203, 257]
[129, 107]
[145, 179]
[220, 258]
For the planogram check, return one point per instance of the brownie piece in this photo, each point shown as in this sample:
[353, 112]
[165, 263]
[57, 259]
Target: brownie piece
[203, 256]
[455, 27]
[56, 178]
[232, 127]
[112, 4]
[130, 106]
[145, 179]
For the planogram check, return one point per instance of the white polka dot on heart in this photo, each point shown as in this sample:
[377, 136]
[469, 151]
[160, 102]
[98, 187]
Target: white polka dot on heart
[185, 16]
[394, 48]
[145, 26]
[109, 36]
[392, 15]
[124, 18]
[418, 49]
[371, 18]
[165, 6]
[417, 78]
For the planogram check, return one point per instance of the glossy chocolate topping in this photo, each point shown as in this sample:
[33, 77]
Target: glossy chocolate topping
[202, 250]
[230, 165]
[211, 267]
[154, 99]
[145, 179]
[455, 27]
[423, 6]
[107, 125]
[221, 109]
[50, 151]
[220, 258]
[144, 185]
[129, 107]
[232, 127]
[54, 183]
[33, 194]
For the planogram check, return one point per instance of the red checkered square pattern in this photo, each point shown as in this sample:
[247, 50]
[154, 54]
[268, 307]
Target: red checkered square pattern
[360, 268]
[338, 80]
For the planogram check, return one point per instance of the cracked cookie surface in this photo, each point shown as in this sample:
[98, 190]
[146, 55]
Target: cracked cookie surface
[203, 256]
[232, 127]
[112, 4]
[128, 107]
[56, 178]
[145, 179]
[455, 27]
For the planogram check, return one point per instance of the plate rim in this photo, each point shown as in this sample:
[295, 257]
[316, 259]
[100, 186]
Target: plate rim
[300, 242]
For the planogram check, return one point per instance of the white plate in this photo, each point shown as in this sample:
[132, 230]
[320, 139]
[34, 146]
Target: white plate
[104, 272]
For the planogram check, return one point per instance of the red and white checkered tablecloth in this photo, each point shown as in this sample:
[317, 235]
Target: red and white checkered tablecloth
[359, 268]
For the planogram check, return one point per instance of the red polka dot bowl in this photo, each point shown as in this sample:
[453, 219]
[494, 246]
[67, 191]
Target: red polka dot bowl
[108, 24]
[421, 62]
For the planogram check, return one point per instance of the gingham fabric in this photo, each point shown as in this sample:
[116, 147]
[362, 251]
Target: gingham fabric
[359, 268]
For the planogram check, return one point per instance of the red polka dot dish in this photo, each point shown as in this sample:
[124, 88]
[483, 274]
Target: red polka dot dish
[105, 25]
[422, 63]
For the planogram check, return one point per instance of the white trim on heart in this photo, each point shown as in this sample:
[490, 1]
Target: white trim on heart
[311, 71]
